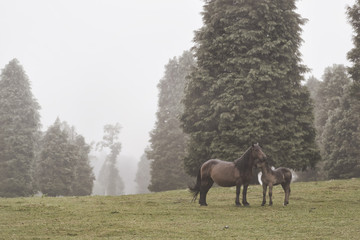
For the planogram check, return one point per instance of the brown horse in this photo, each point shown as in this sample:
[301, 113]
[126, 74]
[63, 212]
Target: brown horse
[228, 174]
[271, 178]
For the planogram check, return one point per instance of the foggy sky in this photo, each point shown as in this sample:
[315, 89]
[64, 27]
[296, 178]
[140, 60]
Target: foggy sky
[97, 62]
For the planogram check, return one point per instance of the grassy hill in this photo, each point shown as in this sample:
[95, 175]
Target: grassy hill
[317, 210]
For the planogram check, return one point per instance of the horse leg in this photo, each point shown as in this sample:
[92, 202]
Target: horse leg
[270, 195]
[237, 200]
[244, 201]
[264, 194]
[204, 188]
[287, 190]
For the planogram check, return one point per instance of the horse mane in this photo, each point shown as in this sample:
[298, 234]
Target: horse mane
[244, 162]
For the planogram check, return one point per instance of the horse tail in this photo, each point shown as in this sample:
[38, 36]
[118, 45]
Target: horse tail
[196, 188]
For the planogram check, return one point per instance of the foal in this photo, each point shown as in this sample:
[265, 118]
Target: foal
[274, 177]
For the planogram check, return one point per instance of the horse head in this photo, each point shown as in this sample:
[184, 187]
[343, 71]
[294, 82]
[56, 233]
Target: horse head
[257, 153]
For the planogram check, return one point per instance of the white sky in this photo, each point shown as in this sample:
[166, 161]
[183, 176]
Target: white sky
[97, 62]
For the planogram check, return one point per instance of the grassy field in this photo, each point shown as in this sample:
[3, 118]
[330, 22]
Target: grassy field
[317, 210]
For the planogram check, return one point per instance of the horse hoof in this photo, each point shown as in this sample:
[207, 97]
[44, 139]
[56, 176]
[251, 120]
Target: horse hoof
[263, 204]
[238, 204]
[203, 204]
[246, 204]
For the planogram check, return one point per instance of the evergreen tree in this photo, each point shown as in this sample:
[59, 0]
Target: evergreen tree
[342, 139]
[247, 88]
[19, 132]
[63, 167]
[313, 85]
[167, 139]
[328, 96]
[354, 54]
[84, 176]
[109, 176]
[143, 175]
[57, 162]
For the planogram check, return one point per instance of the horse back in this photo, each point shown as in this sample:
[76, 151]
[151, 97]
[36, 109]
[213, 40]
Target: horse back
[286, 173]
[223, 173]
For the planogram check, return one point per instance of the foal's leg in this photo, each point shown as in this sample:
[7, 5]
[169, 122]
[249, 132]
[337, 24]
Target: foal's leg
[237, 200]
[270, 195]
[244, 201]
[264, 194]
[286, 187]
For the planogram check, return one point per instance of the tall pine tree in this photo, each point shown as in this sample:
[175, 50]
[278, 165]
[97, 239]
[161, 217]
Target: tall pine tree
[328, 96]
[354, 54]
[55, 168]
[19, 131]
[63, 167]
[341, 139]
[247, 88]
[167, 140]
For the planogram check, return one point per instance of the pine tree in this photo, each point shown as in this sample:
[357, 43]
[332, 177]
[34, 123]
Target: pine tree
[57, 162]
[19, 132]
[167, 139]
[341, 139]
[84, 176]
[63, 167]
[354, 54]
[247, 88]
[328, 96]
[143, 176]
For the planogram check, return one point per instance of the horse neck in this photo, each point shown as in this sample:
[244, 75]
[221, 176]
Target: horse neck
[266, 169]
[245, 160]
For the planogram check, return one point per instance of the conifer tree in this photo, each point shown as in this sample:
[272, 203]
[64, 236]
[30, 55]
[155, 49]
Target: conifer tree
[55, 169]
[63, 167]
[167, 139]
[84, 176]
[341, 139]
[354, 54]
[143, 176]
[19, 131]
[247, 88]
[328, 96]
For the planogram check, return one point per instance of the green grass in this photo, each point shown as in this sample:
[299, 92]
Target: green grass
[317, 210]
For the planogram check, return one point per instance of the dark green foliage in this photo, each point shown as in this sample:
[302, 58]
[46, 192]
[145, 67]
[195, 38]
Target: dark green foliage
[109, 177]
[19, 131]
[143, 176]
[354, 54]
[342, 139]
[247, 88]
[167, 139]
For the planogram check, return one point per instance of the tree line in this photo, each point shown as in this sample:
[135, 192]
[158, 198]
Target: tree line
[55, 162]
[244, 85]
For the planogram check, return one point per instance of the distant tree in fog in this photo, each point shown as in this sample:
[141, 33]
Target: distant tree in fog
[84, 176]
[143, 175]
[167, 138]
[63, 167]
[109, 176]
[19, 131]
[328, 97]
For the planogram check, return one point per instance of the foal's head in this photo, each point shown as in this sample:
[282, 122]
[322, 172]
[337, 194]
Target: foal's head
[257, 153]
